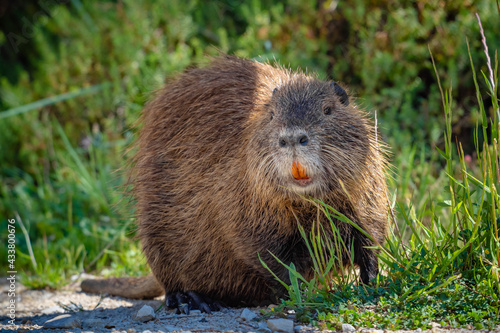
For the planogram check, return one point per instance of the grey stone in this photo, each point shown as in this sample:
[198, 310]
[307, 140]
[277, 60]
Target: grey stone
[348, 328]
[155, 304]
[146, 313]
[247, 315]
[280, 325]
[93, 323]
[262, 327]
[262, 324]
[63, 321]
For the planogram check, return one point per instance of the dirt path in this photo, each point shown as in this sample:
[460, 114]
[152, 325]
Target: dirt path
[91, 313]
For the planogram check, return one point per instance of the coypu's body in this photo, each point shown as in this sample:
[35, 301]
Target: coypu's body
[217, 181]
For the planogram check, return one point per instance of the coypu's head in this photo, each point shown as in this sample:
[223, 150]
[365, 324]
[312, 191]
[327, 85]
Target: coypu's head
[309, 138]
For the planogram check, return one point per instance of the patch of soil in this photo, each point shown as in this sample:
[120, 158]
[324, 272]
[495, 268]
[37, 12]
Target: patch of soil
[93, 313]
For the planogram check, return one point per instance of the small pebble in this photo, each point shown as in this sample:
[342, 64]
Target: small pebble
[348, 328]
[280, 325]
[146, 313]
[262, 327]
[247, 315]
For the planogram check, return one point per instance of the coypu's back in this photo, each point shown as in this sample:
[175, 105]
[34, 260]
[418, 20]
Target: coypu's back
[223, 157]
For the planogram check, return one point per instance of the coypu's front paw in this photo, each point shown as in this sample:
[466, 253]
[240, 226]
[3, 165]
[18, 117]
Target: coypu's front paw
[191, 300]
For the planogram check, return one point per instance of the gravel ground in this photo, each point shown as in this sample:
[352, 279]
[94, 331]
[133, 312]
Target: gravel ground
[81, 312]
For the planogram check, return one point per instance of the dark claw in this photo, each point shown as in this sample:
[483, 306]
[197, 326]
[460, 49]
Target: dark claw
[183, 308]
[198, 302]
[191, 300]
[182, 302]
[211, 304]
[205, 308]
[216, 306]
[171, 301]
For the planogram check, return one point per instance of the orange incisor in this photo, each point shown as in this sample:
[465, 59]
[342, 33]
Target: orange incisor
[298, 171]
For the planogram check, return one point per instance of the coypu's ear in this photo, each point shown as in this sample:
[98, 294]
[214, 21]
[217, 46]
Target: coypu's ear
[274, 91]
[339, 91]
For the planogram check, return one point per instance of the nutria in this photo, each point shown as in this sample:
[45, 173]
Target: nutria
[224, 159]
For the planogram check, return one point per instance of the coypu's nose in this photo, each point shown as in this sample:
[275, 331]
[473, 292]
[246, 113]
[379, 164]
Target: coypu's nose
[291, 140]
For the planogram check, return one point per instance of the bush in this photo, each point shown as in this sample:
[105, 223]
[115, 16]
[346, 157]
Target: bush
[92, 65]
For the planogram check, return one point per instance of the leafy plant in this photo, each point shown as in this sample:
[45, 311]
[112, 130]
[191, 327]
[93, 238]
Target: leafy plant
[71, 93]
[446, 271]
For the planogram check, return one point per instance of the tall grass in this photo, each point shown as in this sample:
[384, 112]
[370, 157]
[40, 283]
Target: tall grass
[73, 219]
[444, 265]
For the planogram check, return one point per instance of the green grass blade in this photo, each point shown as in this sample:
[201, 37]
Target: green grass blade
[52, 100]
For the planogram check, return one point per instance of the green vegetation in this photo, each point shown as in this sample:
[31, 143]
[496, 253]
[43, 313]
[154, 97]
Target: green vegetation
[444, 268]
[74, 77]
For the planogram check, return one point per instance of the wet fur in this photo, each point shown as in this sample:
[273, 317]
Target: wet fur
[213, 185]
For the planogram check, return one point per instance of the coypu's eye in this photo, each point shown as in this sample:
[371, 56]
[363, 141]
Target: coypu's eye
[327, 110]
[272, 116]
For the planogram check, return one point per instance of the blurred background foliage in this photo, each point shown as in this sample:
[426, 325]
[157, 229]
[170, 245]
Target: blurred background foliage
[58, 161]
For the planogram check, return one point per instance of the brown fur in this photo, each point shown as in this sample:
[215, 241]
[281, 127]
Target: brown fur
[214, 188]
